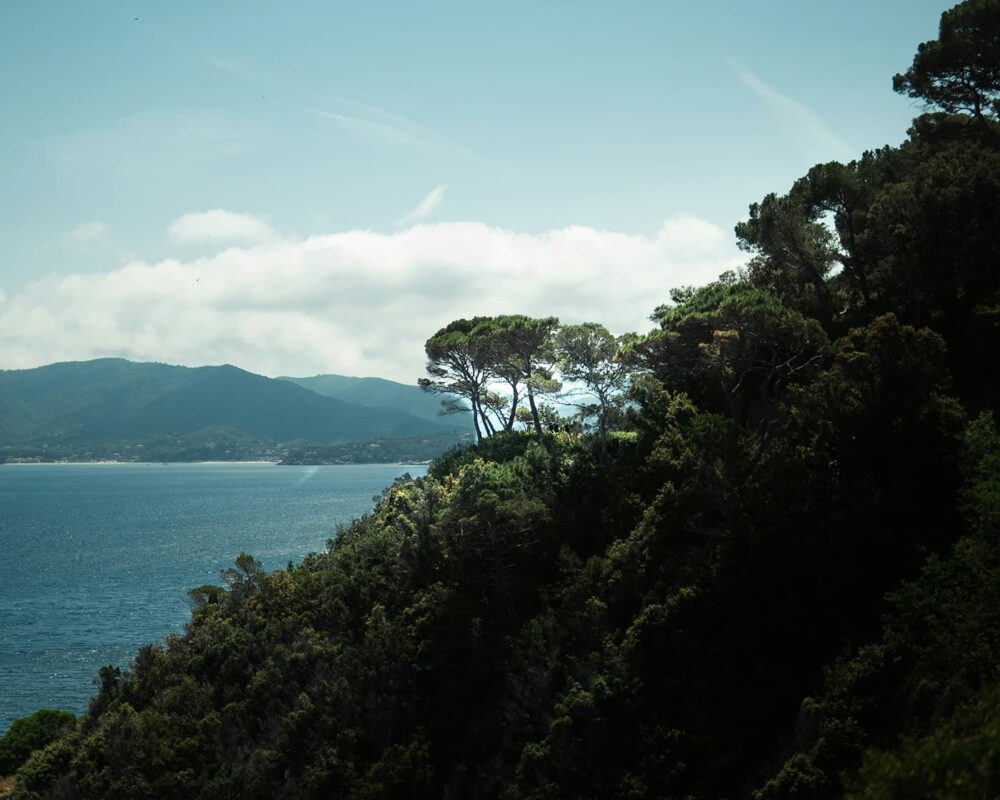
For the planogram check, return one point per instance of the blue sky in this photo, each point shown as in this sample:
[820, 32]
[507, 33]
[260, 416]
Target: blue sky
[331, 169]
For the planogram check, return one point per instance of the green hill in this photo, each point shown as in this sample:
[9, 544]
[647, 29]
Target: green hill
[113, 403]
[382, 393]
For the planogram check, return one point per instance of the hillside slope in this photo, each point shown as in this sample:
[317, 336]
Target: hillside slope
[114, 399]
[381, 393]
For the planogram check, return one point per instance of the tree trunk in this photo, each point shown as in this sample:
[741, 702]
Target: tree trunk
[513, 408]
[475, 419]
[534, 411]
[602, 424]
[490, 430]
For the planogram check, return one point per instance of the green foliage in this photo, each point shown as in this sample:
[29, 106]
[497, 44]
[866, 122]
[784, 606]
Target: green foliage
[736, 358]
[780, 577]
[958, 71]
[29, 734]
[793, 253]
[939, 651]
[457, 363]
[958, 760]
[588, 354]
[503, 447]
[465, 358]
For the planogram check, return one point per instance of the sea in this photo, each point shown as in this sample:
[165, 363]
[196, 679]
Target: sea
[96, 559]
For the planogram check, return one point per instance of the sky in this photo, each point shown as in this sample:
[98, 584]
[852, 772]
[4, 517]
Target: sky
[305, 187]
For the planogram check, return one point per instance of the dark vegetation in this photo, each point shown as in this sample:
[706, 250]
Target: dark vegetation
[117, 409]
[775, 575]
[29, 734]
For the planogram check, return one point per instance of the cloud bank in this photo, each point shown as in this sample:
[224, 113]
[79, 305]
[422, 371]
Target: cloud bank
[354, 302]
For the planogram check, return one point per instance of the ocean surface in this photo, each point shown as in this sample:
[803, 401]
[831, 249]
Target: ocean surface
[96, 559]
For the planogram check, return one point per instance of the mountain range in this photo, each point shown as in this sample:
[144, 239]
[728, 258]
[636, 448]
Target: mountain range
[116, 408]
[381, 393]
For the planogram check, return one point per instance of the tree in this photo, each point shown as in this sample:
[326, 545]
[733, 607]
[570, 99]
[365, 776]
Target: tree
[457, 364]
[960, 70]
[587, 354]
[847, 191]
[792, 250]
[501, 367]
[522, 347]
[245, 576]
[29, 734]
[469, 356]
[735, 351]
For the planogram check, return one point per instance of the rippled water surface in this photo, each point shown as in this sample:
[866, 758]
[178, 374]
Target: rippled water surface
[96, 559]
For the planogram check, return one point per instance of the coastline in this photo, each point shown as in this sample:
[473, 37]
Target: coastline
[106, 463]
[110, 463]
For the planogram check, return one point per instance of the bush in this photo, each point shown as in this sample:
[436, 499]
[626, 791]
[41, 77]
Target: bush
[29, 734]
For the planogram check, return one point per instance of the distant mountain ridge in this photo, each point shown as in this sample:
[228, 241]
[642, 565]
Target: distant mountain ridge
[105, 401]
[382, 393]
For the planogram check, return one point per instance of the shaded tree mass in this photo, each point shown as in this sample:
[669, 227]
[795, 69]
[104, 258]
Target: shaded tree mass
[771, 569]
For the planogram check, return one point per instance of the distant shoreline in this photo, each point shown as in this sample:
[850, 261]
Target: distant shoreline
[106, 463]
[111, 463]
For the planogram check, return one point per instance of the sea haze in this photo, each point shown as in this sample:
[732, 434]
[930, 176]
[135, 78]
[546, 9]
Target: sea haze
[98, 558]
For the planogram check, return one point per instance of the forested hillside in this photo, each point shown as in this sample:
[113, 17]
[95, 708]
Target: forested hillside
[379, 393]
[768, 567]
[113, 408]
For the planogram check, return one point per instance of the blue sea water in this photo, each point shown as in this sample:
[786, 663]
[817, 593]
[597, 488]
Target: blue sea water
[96, 559]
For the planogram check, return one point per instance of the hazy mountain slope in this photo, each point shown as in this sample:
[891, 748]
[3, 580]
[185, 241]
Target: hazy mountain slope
[269, 409]
[113, 398]
[70, 397]
[381, 393]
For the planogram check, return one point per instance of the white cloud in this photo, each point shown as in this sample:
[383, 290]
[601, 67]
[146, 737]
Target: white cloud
[219, 226]
[425, 207]
[90, 232]
[354, 302]
[803, 126]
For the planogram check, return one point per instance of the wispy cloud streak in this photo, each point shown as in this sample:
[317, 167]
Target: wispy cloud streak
[424, 208]
[363, 119]
[349, 114]
[405, 129]
[800, 123]
[370, 127]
